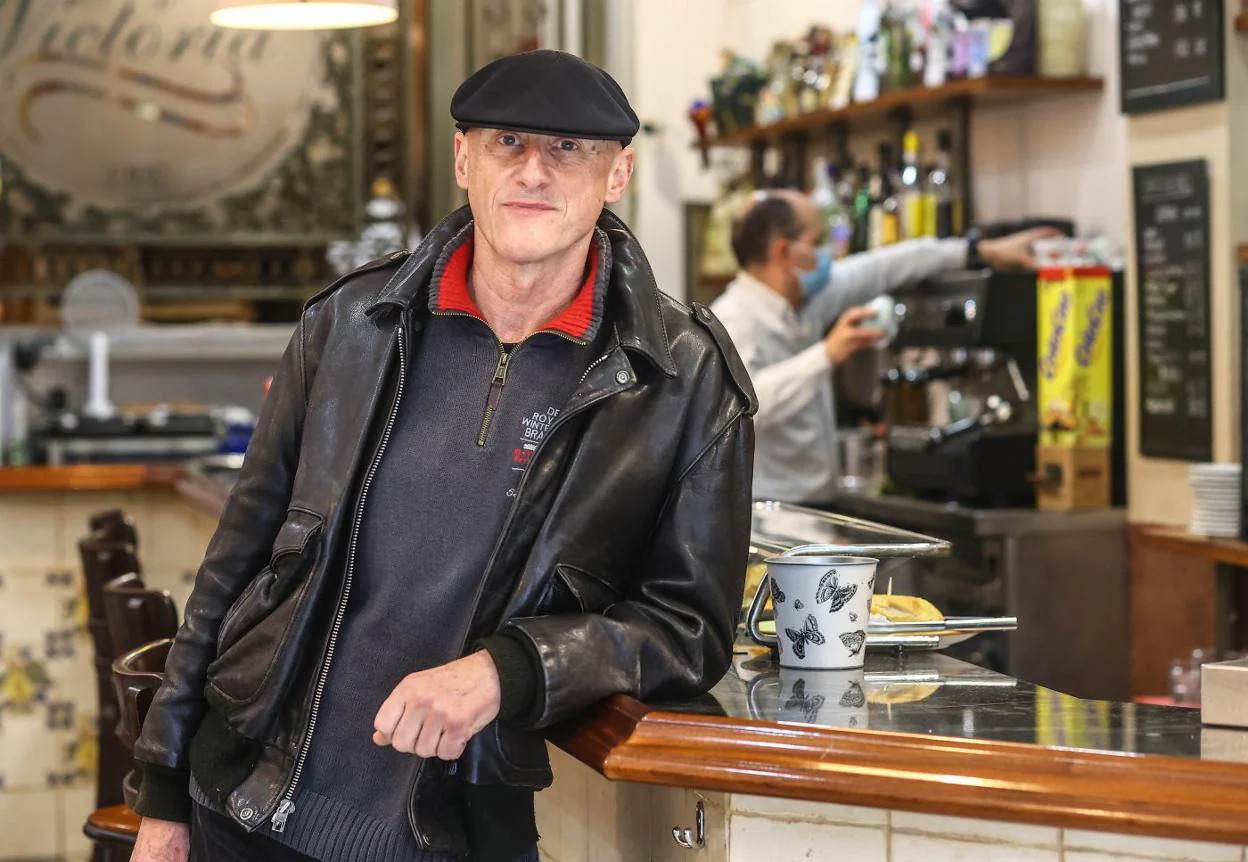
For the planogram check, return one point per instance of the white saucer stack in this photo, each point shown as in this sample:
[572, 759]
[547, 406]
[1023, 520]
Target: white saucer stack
[1216, 499]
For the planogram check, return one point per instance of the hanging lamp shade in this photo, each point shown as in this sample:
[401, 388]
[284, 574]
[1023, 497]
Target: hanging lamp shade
[303, 14]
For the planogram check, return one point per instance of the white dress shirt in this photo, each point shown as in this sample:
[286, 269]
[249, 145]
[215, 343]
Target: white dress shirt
[795, 457]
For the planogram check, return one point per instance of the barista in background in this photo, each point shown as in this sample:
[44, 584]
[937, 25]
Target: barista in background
[780, 311]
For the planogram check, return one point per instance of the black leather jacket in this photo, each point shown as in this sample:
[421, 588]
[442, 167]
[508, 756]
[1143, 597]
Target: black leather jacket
[622, 561]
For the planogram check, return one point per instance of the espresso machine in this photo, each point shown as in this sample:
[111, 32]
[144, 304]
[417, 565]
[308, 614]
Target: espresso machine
[958, 389]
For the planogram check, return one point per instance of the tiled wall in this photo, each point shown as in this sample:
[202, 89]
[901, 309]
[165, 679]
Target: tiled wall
[585, 817]
[47, 685]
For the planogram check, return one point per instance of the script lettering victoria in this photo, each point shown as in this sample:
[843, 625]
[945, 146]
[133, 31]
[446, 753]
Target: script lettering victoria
[123, 103]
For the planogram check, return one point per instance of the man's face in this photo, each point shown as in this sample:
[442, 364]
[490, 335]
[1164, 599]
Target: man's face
[535, 196]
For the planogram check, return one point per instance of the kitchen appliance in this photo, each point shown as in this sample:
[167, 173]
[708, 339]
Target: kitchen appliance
[965, 353]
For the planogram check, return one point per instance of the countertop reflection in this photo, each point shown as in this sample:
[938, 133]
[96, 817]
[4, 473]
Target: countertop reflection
[927, 693]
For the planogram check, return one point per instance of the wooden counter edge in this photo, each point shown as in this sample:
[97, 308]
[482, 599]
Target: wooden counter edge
[1176, 540]
[90, 477]
[1158, 796]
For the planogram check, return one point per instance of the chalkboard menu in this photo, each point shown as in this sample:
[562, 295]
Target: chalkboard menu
[1170, 53]
[1171, 205]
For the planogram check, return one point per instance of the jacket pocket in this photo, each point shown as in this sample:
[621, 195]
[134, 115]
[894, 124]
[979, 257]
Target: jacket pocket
[254, 630]
[575, 589]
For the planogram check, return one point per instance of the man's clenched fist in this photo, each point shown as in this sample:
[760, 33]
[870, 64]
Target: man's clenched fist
[435, 712]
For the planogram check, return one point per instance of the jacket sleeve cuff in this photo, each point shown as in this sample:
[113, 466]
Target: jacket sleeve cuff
[520, 678]
[164, 794]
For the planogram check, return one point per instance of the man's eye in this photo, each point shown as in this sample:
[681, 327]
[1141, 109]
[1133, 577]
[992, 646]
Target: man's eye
[508, 140]
[568, 146]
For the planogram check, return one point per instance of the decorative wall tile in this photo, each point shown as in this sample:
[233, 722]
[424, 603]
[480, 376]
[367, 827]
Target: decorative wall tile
[751, 839]
[912, 847]
[770, 806]
[31, 529]
[1141, 845]
[30, 825]
[34, 601]
[973, 829]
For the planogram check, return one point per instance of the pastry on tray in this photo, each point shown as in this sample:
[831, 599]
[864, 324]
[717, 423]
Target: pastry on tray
[903, 609]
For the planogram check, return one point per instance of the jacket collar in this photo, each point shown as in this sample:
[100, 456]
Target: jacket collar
[634, 303]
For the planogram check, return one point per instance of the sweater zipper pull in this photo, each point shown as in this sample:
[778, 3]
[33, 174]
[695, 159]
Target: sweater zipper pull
[496, 392]
[284, 810]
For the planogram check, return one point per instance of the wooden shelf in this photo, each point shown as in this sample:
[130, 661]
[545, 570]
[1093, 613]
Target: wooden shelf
[999, 89]
[1176, 540]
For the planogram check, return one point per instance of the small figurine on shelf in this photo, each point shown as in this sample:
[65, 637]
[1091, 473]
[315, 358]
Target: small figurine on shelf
[734, 93]
[778, 99]
[700, 116]
[819, 65]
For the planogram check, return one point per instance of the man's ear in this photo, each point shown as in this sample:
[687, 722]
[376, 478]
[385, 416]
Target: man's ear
[461, 160]
[621, 173]
[779, 249]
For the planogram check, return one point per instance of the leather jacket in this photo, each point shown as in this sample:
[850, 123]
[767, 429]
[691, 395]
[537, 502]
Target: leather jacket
[621, 563]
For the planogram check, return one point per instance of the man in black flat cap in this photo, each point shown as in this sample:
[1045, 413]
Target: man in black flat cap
[495, 480]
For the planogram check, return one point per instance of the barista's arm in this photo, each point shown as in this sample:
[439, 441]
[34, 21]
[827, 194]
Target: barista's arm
[862, 277]
[785, 389]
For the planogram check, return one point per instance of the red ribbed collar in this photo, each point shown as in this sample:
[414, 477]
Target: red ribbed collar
[449, 293]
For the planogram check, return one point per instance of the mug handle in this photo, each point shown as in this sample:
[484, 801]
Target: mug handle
[756, 612]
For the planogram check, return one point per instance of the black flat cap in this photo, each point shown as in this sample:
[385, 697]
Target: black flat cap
[545, 93]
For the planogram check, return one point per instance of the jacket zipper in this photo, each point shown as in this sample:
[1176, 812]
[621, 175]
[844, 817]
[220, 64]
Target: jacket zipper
[286, 807]
[498, 545]
[496, 393]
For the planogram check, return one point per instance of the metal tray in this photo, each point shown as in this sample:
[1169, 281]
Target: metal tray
[783, 528]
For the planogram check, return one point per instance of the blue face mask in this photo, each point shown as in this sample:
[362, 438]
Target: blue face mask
[815, 280]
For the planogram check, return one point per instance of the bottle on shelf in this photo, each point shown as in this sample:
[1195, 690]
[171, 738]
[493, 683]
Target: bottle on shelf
[943, 213]
[862, 211]
[845, 191]
[871, 44]
[885, 215]
[938, 43]
[911, 188]
[836, 227]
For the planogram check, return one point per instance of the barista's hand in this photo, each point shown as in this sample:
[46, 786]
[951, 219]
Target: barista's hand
[849, 335]
[1014, 251]
[435, 712]
[162, 841]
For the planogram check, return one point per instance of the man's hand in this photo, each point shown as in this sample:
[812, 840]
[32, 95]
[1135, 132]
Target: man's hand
[849, 335]
[162, 841]
[435, 712]
[1014, 251]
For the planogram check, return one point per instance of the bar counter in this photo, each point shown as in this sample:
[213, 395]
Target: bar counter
[915, 742]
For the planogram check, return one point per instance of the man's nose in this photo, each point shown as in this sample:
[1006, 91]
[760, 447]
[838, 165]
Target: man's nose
[534, 171]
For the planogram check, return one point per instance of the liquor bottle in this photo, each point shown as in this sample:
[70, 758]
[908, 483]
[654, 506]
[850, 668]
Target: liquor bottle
[862, 210]
[911, 194]
[823, 195]
[885, 216]
[942, 212]
[845, 192]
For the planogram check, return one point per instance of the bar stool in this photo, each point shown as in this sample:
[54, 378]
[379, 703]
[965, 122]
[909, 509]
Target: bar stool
[136, 615]
[104, 559]
[137, 674]
[116, 525]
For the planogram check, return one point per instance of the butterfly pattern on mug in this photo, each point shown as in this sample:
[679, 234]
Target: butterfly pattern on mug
[853, 696]
[809, 706]
[830, 590]
[853, 617]
[797, 604]
[777, 595]
[853, 641]
[809, 634]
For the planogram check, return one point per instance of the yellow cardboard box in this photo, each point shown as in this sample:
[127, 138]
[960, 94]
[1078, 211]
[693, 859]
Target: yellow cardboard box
[1075, 396]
